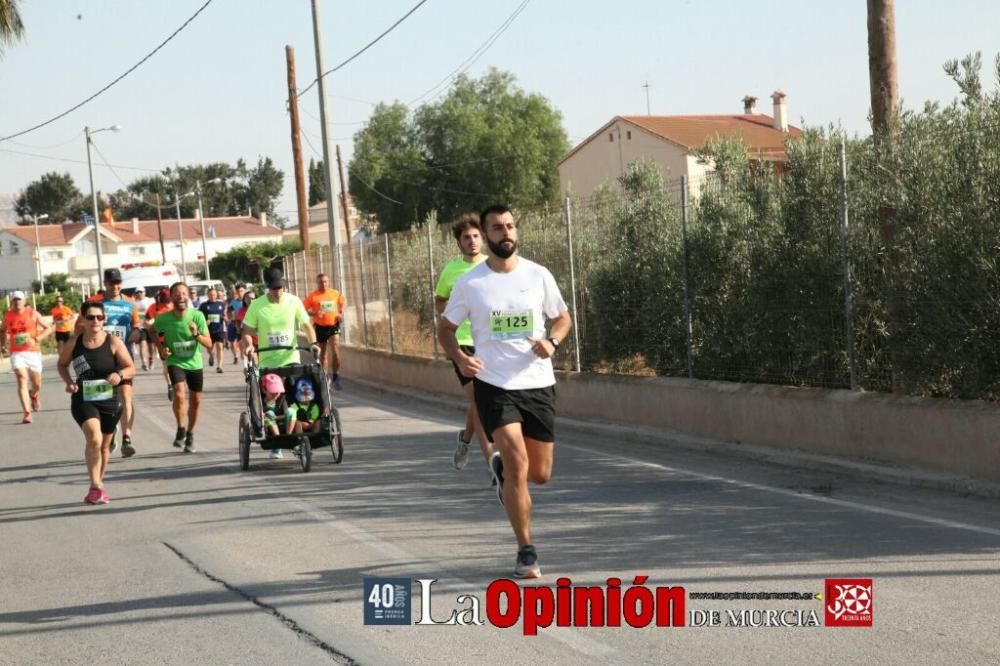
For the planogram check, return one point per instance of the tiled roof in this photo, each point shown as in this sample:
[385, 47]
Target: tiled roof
[224, 227]
[692, 132]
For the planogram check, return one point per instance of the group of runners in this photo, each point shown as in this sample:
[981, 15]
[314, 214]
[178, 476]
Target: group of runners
[502, 319]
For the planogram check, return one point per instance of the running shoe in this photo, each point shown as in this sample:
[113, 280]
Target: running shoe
[235, 360]
[127, 449]
[461, 456]
[36, 402]
[151, 364]
[527, 563]
[189, 443]
[94, 496]
[179, 437]
[276, 454]
[211, 361]
[219, 370]
[145, 368]
[496, 469]
[104, 499]
[337, 384]
[27, 418]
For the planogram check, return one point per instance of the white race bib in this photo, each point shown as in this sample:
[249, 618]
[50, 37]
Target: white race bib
[279, 339]
[328, 306]
[511, 324]
[97, 389]
[117, 331]
[214, 318]
[183, 349]
[22, 338]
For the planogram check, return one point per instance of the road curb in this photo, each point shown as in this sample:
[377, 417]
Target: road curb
[873, 470]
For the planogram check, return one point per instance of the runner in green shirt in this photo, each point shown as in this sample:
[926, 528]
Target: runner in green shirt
[469, 236]
[178, 334]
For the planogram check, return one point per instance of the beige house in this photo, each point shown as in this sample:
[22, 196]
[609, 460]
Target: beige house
[670, 141]
[319, 230]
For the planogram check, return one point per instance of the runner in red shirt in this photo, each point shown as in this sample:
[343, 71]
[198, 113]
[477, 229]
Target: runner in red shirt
[21, 331]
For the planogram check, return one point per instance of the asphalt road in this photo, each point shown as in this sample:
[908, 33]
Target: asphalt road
[196, 562]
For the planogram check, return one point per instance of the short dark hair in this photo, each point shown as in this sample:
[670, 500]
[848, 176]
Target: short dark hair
[463, 223]
[239, 285]
[89, 305]
[495, 209]
[180, 283]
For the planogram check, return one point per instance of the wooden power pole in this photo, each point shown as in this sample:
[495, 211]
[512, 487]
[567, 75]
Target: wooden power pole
[883, 74]
[343, 198]
[300, 178]
[159, 229]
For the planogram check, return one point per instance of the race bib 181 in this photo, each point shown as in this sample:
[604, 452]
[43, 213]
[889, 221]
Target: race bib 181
[117, 331]
[511, 324]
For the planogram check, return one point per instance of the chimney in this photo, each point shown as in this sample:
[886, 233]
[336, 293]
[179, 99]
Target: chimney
[135, 225]
[263, 219]
[750, 105]
[780, 111]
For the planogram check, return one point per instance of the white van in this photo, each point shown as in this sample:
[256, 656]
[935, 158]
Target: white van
[150, 275]
[204, 285]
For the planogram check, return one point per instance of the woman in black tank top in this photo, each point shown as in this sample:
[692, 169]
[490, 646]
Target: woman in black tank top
[100, 363]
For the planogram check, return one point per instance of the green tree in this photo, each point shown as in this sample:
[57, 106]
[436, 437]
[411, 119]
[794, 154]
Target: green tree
[248, 262]
[317, 182]
[260, 189]
[11, 25]
[54, 194]
[388, 172]
[487, 141]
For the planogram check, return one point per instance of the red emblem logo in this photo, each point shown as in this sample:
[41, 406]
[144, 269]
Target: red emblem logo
[848, 602]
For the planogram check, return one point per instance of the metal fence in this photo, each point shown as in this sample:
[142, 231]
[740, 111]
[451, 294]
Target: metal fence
[760, 279]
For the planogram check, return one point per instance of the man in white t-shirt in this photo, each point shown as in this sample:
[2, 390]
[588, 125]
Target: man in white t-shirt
[507, 299]
[145, 347]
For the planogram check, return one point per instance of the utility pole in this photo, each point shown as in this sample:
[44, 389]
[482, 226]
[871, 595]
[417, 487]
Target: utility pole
[343, 196]
[300, 179]
[159, 229]
[331, 216]
[883, 74]
[645, 85]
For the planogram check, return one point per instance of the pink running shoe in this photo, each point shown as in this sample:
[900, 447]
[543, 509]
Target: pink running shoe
[94, 496]
[36, 402]
[26, 418]
[104, 497]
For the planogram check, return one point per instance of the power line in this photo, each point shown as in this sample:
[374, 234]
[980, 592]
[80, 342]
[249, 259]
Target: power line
[105, 88]
[66, 159]
[365, 48]
[478, 53]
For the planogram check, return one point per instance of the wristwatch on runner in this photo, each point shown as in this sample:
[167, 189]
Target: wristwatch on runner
[555, 342]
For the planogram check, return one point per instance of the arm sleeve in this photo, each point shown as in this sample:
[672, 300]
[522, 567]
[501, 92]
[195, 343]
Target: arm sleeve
[553, 305]
[202, 324]
[458, 306]
[442, 289]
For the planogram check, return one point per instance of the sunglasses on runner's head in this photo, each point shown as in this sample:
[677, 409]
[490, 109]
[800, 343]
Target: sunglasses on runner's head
[94, 317]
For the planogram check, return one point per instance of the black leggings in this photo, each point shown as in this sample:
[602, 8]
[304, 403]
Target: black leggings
[107, 411]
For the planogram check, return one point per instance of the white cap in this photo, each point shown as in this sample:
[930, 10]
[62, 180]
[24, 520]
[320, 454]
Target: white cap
[16, 295]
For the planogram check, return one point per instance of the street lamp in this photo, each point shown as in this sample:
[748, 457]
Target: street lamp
[201, 221]
[38, 251]
[93, 196]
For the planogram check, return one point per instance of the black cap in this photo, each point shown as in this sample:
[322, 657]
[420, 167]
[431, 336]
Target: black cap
[275, 279]
[112, 275]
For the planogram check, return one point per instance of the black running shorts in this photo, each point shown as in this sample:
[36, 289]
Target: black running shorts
[195, 379]
[534, 409]
[62, 336]
[468, 351]
[218, 336]
[106, 411]
[324, 333]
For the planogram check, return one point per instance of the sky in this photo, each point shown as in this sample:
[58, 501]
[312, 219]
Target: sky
[218, 90]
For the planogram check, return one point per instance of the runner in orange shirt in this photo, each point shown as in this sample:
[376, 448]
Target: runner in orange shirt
[62, 321]
[25, 329]
[326, 307]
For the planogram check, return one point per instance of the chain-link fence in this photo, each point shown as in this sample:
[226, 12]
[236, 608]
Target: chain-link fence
[845, 266]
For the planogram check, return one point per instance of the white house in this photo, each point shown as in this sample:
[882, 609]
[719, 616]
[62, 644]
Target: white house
[69, 248]
[319, 230]
[671, 141]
